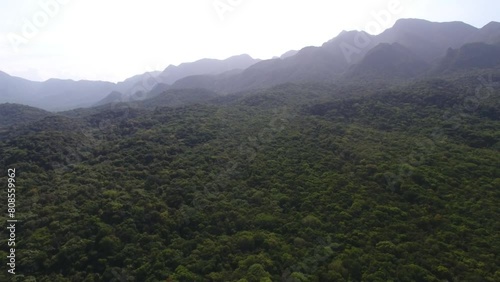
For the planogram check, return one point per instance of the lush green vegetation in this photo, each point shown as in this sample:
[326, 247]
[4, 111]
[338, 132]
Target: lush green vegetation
[13, 114]
[296, 183]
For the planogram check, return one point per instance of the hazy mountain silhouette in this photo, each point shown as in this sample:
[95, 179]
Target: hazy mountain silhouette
[469, 56]
[429, 40]
[426, 41]
[17, 90]
[400, 52]
[158, 89]
[389, 61]
[66, 94]
[490, 34]
[205, 66]
[53, 94]
[310, 64]
[141, 82]
[288, 54]
[112, 97]
[151, 84]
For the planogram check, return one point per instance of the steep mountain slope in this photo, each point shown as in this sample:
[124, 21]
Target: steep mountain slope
[388, 62]
[113, 97]
[490, 34]
[288, 54]
[429, 40]
[310, 64]
[157, 90]
[469, 56]
[17, 90]
[142, 82]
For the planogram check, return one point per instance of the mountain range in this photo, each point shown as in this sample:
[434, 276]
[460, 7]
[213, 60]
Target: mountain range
[410, 49]
[58, 94]
[420, 44]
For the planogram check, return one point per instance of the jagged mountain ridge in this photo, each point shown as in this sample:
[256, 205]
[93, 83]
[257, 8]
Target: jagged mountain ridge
[150, 84]
[331, 62]
[205, 66]
[472, 55]
[429, 41]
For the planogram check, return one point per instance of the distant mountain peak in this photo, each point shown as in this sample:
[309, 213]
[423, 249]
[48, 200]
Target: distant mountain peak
[241, 56]
[406, 22]
[491, 26]
[413, 22]
[288, 54]
[349, 35]
[205, 67]
[344, 32]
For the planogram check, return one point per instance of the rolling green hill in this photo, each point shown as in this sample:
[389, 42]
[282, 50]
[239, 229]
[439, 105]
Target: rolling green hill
[15, 114]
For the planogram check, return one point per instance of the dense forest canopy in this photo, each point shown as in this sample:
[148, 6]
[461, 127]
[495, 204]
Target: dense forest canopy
[299, 182]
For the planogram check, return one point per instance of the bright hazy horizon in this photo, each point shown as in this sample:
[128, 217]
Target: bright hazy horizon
[113, 40]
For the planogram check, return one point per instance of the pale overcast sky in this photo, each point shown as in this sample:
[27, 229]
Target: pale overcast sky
[115, 39]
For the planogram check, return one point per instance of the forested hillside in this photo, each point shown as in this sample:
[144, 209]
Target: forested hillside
[300, 182]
